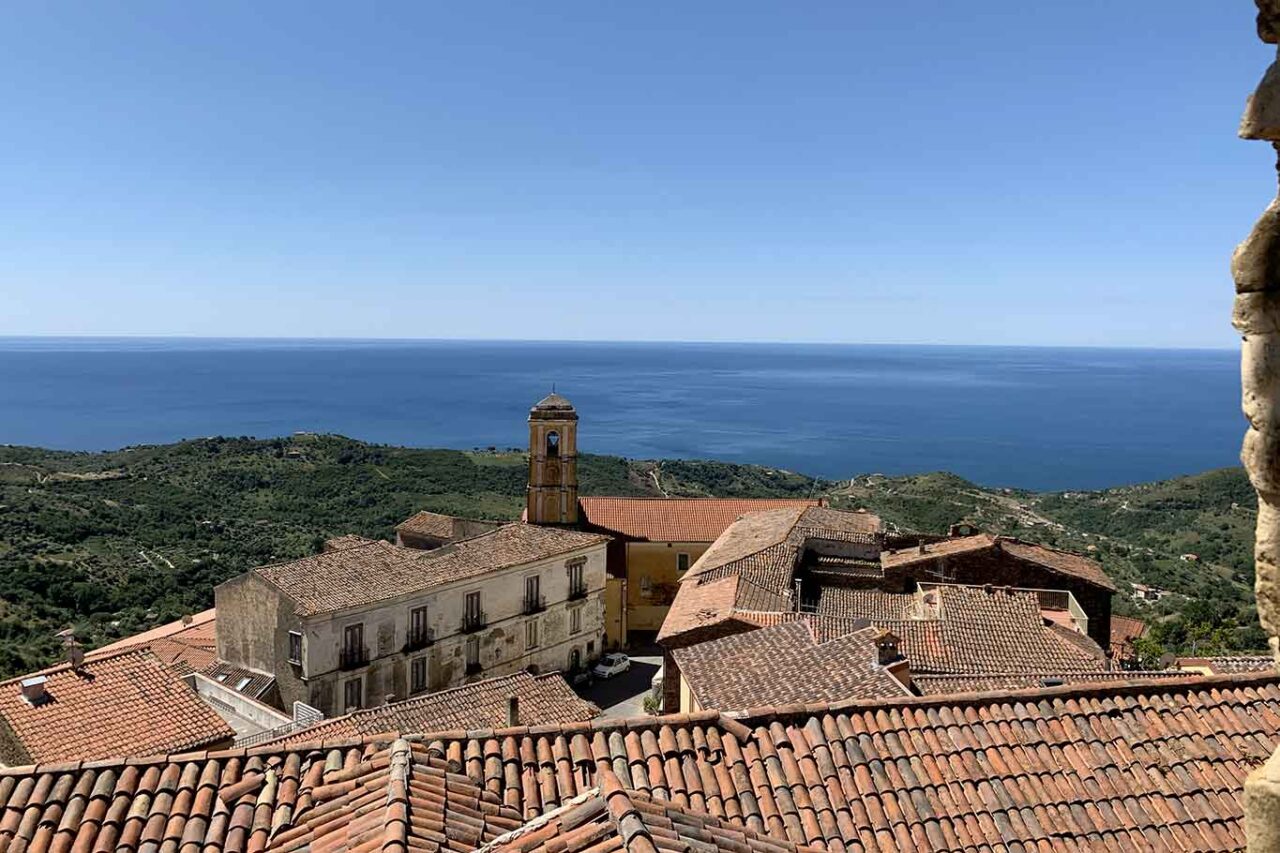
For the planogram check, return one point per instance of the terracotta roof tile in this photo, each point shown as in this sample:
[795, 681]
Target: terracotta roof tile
[543, 700]
[1118, 766]
[762, 549]
[1063, 562]
[1227, 664]
[120, 703]
[745, 670]
[323, 583]
[942, 685]
[190, 645]
[615, 816]
[676, 519]
[1124, 630]
[200, 624]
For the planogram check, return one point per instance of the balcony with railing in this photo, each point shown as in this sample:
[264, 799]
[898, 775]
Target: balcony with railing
[352, 657]
[534, 604]
[577, 591]
[419, 639]
[473, 621]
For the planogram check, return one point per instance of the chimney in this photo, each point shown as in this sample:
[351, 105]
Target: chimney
[513, 711]
[921, 546]
[187, 619]
[33, 689]
[75, 655]
[886, 648]
[889, 657]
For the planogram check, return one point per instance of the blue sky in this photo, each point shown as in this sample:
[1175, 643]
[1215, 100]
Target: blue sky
[951, 172]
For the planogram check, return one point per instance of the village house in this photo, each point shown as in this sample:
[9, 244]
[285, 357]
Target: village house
[356, 627]
[960, 606]
[117, 703]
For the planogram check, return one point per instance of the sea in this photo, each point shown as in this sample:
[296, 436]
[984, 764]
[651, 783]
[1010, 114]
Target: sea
[1035, 418]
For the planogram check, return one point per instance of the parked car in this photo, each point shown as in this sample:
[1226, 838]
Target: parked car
[610, 665]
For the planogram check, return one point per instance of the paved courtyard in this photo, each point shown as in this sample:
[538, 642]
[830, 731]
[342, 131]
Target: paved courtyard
[623, 695]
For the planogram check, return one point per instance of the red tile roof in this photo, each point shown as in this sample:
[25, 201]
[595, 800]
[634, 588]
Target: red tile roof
[676, 519]
[543, 699]
[1156, 766]
[199, 624]
[1124, 630]
[943, 685]
[116, 704]
[611, 817]
[761, 551]
[394, 801]
[1227, 664]
[785, 664]
[324, 583]
[190, 645]
[1062, 562]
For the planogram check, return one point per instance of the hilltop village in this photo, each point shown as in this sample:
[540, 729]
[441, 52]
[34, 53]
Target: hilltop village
[826, 684]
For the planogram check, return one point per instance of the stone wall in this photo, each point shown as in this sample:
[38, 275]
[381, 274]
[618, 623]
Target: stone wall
[1255, 267]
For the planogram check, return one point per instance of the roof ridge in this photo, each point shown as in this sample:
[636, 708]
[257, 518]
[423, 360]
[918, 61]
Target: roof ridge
[1190, 683]
[809, 502]
[143, 648]
[395, 820]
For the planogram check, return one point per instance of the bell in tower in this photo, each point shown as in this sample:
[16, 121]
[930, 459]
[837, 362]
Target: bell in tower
[552, 494]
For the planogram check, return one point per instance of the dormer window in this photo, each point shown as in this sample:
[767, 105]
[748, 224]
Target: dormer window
[553, 443]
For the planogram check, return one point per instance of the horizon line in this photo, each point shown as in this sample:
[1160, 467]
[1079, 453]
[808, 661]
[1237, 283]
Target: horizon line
[635, 341]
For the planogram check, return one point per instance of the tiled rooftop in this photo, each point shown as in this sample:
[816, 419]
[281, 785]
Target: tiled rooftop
[126, 702]
[324, 583]
[992, 630]
[1062, 562]
[761, 551]
[1228, 664]
[1124, 630]
[1156, 766]
[676, 519]
[785, 664]
[543, 699]
[190, 645]
[611, 817]
[949, 685]
[428, 524]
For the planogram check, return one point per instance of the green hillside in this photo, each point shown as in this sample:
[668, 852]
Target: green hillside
[113, 543]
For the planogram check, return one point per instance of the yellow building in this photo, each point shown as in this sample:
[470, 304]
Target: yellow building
[655, 540]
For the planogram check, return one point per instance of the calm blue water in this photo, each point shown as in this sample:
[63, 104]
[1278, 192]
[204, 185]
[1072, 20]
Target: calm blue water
[1036, 418]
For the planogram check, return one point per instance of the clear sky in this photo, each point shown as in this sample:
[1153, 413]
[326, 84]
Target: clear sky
[958, 171]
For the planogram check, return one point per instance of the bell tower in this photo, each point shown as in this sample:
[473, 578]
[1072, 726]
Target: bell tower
[552, 494]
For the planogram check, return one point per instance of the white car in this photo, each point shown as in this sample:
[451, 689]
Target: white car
[610, 665]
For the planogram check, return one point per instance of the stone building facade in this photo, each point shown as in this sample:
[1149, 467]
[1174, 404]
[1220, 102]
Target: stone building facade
[358, 627]
[552, 493]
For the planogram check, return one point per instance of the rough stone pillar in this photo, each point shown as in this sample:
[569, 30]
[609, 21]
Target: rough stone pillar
[1256, 270]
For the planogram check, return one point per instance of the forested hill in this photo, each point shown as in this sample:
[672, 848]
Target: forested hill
[113, 543]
